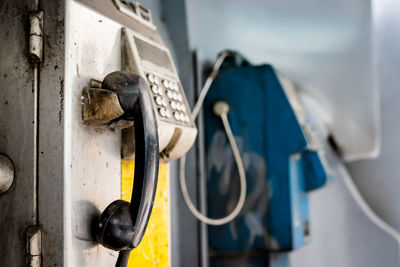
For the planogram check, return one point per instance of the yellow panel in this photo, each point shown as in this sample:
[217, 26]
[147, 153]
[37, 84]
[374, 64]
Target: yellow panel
[153, 250]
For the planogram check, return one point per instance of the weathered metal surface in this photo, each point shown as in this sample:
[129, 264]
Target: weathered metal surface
[6, 173]
[100, 106]
[51, 148]
[91, 156]
[16, 129]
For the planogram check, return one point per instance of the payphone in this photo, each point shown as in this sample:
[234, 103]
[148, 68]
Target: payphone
[146, 100]
[98, 82]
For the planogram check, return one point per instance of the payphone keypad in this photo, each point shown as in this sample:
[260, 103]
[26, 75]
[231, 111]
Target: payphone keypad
[168, 99]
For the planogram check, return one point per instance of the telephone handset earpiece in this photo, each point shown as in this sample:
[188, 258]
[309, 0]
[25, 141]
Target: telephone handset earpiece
[122, 224]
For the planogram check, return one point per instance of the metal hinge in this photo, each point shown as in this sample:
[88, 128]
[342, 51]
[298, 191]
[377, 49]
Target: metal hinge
[34, 233]
[34, 247]
[36, 37]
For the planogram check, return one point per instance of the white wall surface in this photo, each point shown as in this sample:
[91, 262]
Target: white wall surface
[379, 179]
[323, 46]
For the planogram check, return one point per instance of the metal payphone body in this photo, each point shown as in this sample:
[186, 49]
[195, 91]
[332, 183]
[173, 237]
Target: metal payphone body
[67, 172]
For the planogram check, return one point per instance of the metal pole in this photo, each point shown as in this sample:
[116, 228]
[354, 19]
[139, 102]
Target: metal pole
[201, 167]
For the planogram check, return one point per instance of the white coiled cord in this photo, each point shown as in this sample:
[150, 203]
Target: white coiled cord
[221, 109]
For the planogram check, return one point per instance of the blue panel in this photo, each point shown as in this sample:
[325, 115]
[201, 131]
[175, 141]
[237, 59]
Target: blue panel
[240, 87]
[280, 168]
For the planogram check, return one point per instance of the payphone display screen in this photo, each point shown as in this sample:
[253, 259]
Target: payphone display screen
[153, 54]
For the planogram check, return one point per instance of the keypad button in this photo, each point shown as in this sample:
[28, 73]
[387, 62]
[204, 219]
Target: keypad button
[154, 89]
[166, 84]
[180, 116]
[150, 77]
[158, 100]
[160, 91]
[179, 97]
[173, 105]
[170, 94]
[163, 112]
[157, 80]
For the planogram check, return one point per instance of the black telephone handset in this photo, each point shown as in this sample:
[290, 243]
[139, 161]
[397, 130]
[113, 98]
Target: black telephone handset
[122, 224]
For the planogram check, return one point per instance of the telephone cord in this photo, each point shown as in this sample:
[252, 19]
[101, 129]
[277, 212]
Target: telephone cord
[242, 175]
